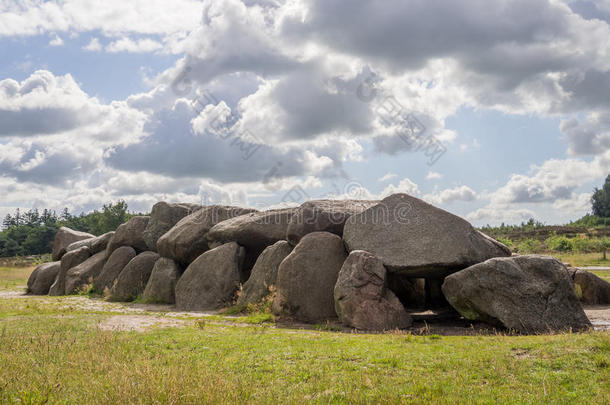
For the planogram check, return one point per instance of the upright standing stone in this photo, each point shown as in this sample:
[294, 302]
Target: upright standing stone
[44, 276]
[68, 261]
[212, 280]
[362, 299]
[162, 282]
[306, 278]
[134, 277]
[113, 267]
[264, 273]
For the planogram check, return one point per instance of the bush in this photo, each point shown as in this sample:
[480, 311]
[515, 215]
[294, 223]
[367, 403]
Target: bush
[560, 244]
[530, 246]
[586, 245]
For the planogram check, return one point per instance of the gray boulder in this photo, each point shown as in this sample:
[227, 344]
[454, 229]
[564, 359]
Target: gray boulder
[264, 273]
[162, 218]
[212, 280]
[255, 230]
[362, 299]
[323, 216]
[100, 243]
[590, 289]
[32, 278]
[68, 261]
[162, 282]
[63, 238]
[95, 245]
[79, 244]
[113, 267]
[416, 239]
[306, 278]
[186, 240]
[43, 277]
[530, 294]
[84, 274]
[131, 233]
[134, 277]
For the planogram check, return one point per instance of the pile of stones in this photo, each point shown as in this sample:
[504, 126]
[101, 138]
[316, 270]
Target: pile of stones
[369, 264]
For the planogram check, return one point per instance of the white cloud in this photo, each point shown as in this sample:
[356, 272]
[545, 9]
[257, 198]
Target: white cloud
[57, 41]
[554, 180]
[497, 215]
[447, 196]
[138, 46]
[112, 17]
[406, 185]
[434, 176]
[387, 177]
[93, 46]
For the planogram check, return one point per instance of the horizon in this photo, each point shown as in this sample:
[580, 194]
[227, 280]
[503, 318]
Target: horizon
[495, 111]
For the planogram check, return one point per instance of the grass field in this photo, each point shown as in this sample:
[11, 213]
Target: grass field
[53, 351]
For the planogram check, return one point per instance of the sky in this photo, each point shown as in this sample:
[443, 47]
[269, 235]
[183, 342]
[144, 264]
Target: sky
[497, 111]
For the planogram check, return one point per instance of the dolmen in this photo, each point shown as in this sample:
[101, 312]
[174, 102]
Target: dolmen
[367, 264]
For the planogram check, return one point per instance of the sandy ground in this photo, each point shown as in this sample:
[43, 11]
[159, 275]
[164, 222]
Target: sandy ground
[142, 317]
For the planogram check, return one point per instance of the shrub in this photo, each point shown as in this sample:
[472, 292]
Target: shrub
[560, 244]
[530, 245]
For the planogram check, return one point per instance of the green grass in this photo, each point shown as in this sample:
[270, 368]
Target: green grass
[54, 352]
[12, 278]
[582, 259]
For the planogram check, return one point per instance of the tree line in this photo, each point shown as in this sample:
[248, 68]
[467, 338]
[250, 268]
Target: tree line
[32, 232]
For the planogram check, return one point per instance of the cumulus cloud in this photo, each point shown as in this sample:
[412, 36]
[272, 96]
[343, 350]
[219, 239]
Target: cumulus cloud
[287, 81]
[497, 215]
[93, 46]
[45, 104]
[447, 196]
[134, 46]
[590, 136]
[406, 185]
[112, 17]
[553, 180]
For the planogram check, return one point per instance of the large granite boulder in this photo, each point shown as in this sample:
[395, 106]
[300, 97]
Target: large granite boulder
[79, 244]
[43, 277]
[186, 240]
[162, 218]
[84, 274]
[32, 278]
[264, 273]
[212, 280]
[100, 243]
[95, 245]
[362, 299]
[530, 294]
[68, 261]
[113, 267]
[416, 239]
[134, 277]
[306, 278]
[131, 233]
[255, 230]
[590, 289]
[63, 238]
[323, 216]
[162, 282]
